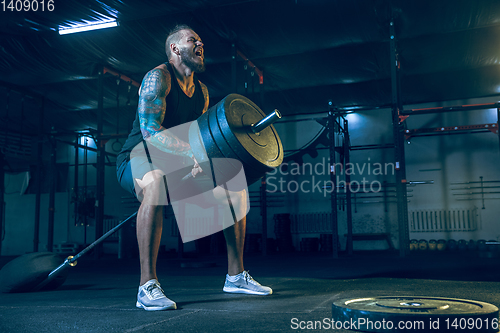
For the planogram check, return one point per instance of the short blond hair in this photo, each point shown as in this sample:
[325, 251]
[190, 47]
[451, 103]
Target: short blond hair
[174, 36]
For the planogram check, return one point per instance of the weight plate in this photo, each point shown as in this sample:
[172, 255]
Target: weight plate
[196, 143]
[224, 168]
[218, 138]
[26, 272]
[221, 142]
[414, 314]
[210, 139]
[235, 115]
[209, 142]
[211, 149]
[253, 169]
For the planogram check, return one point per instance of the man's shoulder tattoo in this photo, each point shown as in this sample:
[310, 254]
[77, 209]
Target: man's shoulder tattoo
[155, 84]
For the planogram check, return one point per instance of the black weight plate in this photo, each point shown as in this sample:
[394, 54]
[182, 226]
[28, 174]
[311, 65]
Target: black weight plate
[415, 314]
[235, 115]
[220, 140]
[224, 168]
[210, 140]
[196, 143]
[221, 122]
[26, 272]
[253, 169]
[210, 147]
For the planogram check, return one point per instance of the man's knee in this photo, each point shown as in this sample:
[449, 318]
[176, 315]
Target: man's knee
[154, 188]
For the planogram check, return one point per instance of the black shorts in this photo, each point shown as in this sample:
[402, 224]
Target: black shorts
[177, 188]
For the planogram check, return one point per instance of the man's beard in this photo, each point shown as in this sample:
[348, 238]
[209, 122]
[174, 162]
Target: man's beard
[188, 59]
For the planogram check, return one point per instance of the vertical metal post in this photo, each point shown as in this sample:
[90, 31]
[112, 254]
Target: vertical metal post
[263, 188]
[333, 194]
[84, 198]
[386, 199]
[38, 185]
[245, 77]
[180, 244]
[75, 182]
[2, 199]
[233, 68]
[180, 247]
[482, 192]
[214, 238]
[399, 148]
[252, 81]
[52, 195]
[99, 212]
[2, 173]
[498, 123]
[263, 212]
[348, 189]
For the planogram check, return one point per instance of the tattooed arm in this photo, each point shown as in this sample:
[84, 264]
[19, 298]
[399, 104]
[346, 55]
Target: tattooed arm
[152, 107]
[205, 96]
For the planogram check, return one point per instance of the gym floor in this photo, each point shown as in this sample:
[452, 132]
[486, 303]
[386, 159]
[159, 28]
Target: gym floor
[99, 295]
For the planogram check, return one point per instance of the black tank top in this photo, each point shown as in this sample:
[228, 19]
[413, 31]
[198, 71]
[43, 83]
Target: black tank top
[180, 109]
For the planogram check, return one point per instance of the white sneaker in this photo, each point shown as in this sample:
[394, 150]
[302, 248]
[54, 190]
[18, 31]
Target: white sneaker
[245, 284]
[152, 298]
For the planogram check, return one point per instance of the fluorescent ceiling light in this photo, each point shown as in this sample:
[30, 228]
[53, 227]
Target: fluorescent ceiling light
[87, 27]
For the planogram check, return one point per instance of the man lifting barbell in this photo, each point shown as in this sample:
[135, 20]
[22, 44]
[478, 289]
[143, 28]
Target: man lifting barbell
[170, 95]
